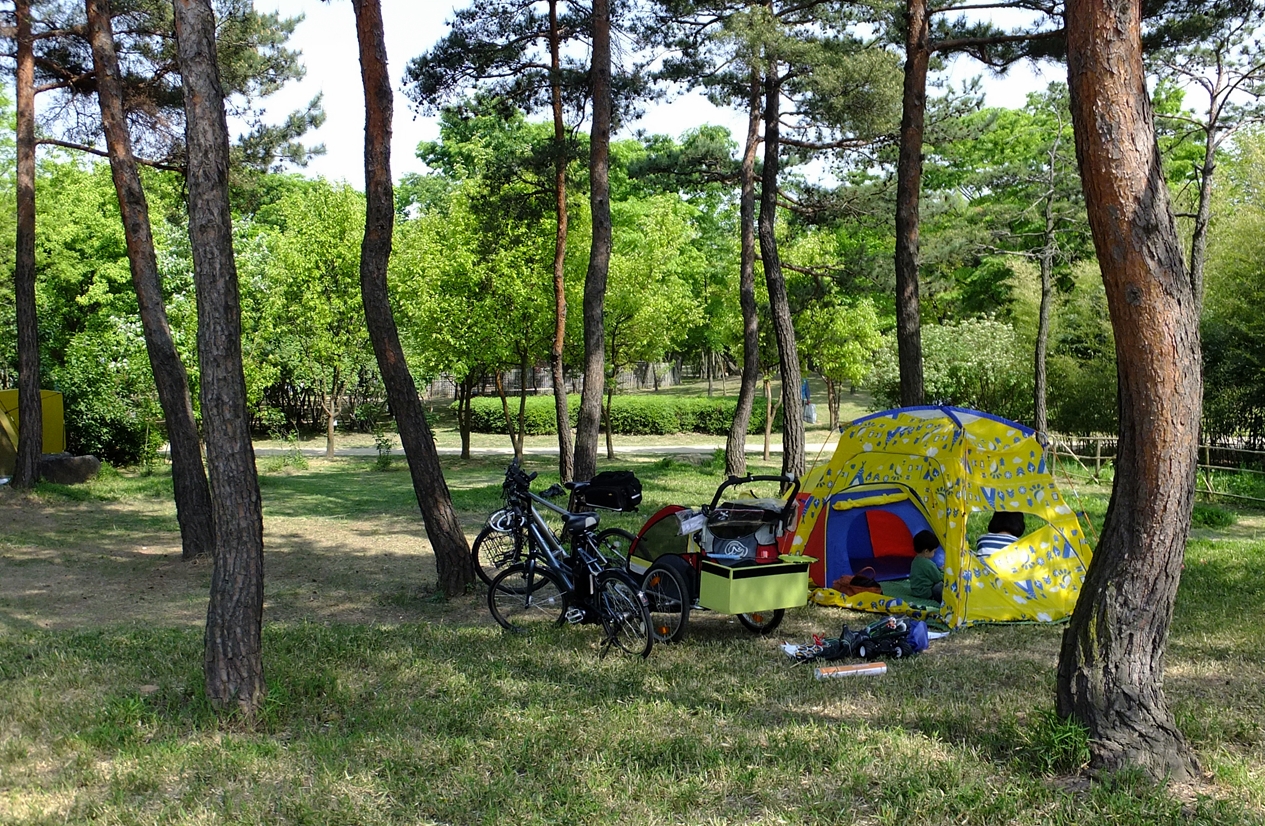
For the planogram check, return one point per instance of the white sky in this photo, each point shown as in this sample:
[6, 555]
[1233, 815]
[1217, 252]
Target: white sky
[327, 38]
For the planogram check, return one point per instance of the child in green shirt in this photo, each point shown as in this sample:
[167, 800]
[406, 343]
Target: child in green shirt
[926, 580]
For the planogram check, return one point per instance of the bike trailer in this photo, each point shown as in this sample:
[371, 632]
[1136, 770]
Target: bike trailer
[743, 587]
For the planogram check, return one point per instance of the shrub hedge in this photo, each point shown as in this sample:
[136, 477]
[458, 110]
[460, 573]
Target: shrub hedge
[630, 415]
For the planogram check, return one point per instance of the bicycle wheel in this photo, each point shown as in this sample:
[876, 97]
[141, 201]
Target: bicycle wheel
[668, 597]
[524, 596]
[493, 550]
[762, 622]
[625, 618]
[614, 544]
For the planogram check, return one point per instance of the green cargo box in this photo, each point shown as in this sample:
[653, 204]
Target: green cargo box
[744, 589]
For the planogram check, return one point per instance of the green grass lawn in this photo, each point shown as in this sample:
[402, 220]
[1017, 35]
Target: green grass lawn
[389, 706]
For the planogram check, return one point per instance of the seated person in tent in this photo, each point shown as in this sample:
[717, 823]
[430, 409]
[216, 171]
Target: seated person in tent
[1005, 527]
[926, 580]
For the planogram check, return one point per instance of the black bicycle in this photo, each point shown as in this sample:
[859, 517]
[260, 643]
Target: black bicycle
[551, 585]
[502, 541]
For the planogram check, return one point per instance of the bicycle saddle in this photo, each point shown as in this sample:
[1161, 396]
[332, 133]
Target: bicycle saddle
[576, 522]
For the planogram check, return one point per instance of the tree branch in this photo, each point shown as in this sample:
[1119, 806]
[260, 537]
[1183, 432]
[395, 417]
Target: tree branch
[92, 150]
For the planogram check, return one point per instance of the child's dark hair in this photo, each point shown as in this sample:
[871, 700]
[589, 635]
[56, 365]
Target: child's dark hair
[1011, 522]
[925, 541]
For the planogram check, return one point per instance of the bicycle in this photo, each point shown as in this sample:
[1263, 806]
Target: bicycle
[551, 586]
[500, 543]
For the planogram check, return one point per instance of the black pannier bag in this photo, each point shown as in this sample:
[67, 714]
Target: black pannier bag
[615, 490]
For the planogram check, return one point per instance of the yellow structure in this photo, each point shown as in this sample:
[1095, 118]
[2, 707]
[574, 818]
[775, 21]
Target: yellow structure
[54, 426]
[949, 462]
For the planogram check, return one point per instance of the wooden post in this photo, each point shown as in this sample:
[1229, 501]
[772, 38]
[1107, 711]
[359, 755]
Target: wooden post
[1097, 458]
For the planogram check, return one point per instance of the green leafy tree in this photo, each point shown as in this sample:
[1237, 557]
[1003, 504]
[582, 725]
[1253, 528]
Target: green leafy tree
[840, 340]
[313, 319]
[650, 304]
[499, 214]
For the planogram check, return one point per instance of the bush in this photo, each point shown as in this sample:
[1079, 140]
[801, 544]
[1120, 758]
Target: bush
[645, 415]
[487, 415]
[107, 391]
[1211, 516]
[977, 363]
[641, 415]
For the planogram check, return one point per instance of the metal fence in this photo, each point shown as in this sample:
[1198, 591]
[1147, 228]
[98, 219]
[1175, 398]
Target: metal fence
[1097, 453]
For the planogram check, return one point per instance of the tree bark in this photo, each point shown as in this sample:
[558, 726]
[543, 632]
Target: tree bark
[779, 305]
[30, 406]
[188, 476]
[452, 552]
[233, 659]
[566, 457]
[1111, 667]
[600, 249]
[736, 444]
[908, 193]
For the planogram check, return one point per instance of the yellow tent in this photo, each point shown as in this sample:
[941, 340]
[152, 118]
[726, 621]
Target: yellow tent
[900, 471]
[54, 426]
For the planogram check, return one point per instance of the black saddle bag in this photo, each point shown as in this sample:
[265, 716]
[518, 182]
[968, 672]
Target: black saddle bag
[613, 490]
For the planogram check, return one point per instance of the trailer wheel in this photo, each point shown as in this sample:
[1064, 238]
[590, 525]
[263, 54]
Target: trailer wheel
[762, 622]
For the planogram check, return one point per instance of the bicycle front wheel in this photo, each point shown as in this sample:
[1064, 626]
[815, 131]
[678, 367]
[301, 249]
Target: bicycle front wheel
[524, 596]
[625, 617]
[494, 550]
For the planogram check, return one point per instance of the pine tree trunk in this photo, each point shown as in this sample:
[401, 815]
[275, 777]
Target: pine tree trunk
[1111, 667]
[30, 406]
[908, 192]
[566, 457]
[192, 493]
[600, 249]
[234, 622]
[736, 445]
[779, 305]
[452, 552]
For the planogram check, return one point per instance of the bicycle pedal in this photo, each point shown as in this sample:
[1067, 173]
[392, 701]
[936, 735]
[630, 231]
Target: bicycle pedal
[575, 616]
